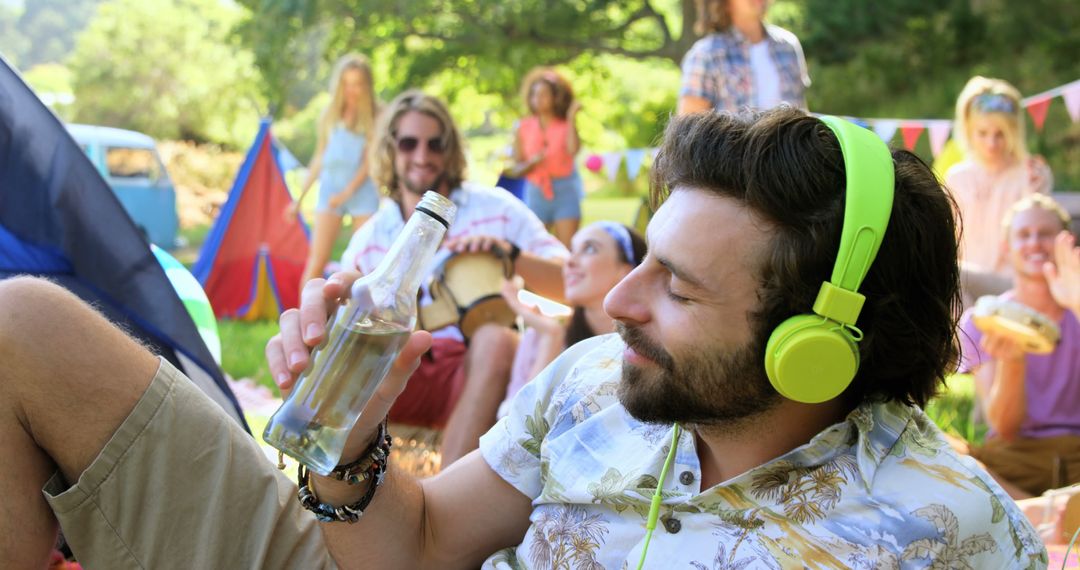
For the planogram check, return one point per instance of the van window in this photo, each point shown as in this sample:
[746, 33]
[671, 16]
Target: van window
[127, 162]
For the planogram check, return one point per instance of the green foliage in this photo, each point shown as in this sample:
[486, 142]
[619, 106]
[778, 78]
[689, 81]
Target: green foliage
[487, 44]
[44, 31]
[168, 68]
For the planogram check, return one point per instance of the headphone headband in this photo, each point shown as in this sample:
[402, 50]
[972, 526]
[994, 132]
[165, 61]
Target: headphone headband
[813, 358]
[868, 198]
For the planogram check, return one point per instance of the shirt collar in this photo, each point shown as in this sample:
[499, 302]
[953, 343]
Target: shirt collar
[739, 37]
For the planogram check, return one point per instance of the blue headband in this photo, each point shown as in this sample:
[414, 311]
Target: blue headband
[621, 235]
[993, 103]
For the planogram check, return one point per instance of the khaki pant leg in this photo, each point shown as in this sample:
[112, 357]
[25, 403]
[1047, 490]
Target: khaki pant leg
[181, 485]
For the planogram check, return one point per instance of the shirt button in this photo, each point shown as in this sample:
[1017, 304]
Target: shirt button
[672, 525]
[686, 477]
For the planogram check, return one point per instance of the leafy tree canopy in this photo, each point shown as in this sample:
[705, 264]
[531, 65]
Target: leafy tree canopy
[167, 68]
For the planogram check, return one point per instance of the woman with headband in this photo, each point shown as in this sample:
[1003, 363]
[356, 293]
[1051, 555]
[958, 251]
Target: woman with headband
[601, 254]
[996, 172]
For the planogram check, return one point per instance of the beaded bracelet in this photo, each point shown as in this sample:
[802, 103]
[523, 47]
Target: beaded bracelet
[371, 465]
[371, 462]
[329, 513]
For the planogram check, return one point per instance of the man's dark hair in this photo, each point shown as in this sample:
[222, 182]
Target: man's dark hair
[788, 169]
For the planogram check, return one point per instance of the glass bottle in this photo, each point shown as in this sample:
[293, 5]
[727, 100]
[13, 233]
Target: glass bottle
[364, 337]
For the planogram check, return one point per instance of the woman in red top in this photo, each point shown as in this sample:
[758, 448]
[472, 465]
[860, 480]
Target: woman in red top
[544, 150]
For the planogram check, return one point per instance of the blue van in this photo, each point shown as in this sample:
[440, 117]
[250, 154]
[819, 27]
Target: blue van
[130, 163]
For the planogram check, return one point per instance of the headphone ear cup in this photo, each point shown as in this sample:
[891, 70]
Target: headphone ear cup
[809, 359]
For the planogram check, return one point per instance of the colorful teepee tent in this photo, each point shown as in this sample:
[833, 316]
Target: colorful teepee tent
[59, 219]
[250, 265]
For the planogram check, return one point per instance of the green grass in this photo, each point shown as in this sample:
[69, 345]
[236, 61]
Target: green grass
[952, 409]
[243, 349]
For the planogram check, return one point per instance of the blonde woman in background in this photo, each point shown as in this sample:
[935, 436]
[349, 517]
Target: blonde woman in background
[340, 161]
[995, 173]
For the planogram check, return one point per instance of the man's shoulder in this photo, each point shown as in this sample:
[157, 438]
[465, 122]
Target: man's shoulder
[924, 478]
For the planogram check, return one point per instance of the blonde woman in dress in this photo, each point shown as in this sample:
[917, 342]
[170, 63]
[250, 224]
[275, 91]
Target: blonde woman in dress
[340, 162]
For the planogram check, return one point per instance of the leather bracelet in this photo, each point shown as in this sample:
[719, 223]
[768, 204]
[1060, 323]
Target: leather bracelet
[372, 461]
[329, 513]
[371, 466]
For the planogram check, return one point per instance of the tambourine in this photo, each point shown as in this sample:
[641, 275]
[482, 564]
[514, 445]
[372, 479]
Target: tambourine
[1036, 332]
[465, 290]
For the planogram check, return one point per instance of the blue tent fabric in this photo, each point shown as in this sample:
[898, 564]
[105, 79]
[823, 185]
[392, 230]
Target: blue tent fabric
[59, 219]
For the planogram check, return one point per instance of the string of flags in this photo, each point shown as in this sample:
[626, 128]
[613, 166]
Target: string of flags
[911, 130]
[940, 130]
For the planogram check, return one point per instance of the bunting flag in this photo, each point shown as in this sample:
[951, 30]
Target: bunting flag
[611, 164]
[886, 129]
[634, 159]
[1072, 101]
[939, 133]
[1037, 110]
[911, 133]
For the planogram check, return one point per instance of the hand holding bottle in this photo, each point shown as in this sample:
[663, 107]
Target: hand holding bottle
[351, 356]
[289, 352]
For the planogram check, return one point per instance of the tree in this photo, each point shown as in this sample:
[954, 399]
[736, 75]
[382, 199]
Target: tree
[49, 28]
[488, 44]
[168, 68]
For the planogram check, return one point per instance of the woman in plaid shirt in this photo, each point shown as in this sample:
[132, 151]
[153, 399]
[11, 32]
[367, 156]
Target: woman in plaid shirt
[741, 61]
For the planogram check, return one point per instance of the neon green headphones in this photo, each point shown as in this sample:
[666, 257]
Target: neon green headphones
[812, 358]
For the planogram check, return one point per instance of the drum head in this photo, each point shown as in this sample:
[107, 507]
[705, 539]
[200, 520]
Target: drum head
[489, 309]
[1032, 340]
[1036, 332]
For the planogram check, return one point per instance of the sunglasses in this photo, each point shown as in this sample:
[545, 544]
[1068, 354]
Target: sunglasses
[409, 144]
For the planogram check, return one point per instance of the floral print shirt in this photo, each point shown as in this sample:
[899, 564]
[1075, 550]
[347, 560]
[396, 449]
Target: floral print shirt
[880, 490]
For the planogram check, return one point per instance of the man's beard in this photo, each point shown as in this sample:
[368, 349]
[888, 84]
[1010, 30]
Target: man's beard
[419, 190]
[707, 388]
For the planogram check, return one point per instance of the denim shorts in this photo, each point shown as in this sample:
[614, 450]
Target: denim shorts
[566, 204]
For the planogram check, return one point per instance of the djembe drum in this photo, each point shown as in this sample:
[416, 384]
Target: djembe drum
[1036, 332]
[465, 290]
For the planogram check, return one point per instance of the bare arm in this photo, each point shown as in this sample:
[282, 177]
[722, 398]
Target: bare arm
[690, 104]
[410, 523]
[542, 275]
[315, 168]
[573, 141]
[1000, 385]
[453, 520]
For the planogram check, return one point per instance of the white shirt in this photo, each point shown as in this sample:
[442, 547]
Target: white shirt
[480, 211]
[766, 76]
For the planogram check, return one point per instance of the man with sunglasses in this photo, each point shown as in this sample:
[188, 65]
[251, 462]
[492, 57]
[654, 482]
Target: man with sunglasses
[458, 388]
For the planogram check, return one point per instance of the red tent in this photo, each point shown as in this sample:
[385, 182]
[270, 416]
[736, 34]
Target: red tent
[251, 263]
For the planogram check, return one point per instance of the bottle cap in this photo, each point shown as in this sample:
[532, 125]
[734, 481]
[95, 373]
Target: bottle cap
[437, 206]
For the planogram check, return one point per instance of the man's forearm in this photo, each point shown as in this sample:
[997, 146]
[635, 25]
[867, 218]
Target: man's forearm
[1007, 403]
[542, 276]
[389, 534]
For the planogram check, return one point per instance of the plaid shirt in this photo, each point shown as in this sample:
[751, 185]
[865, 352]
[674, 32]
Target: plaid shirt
[717, 68]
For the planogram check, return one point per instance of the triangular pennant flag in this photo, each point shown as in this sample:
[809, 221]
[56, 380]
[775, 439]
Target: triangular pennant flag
[634, 158]
[1071, 95]
[911, 133]
[1037, 109]
[939, 133]
[886, 129]
[611, 164]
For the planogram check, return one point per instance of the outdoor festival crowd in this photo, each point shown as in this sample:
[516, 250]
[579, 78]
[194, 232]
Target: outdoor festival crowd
[745, 392]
